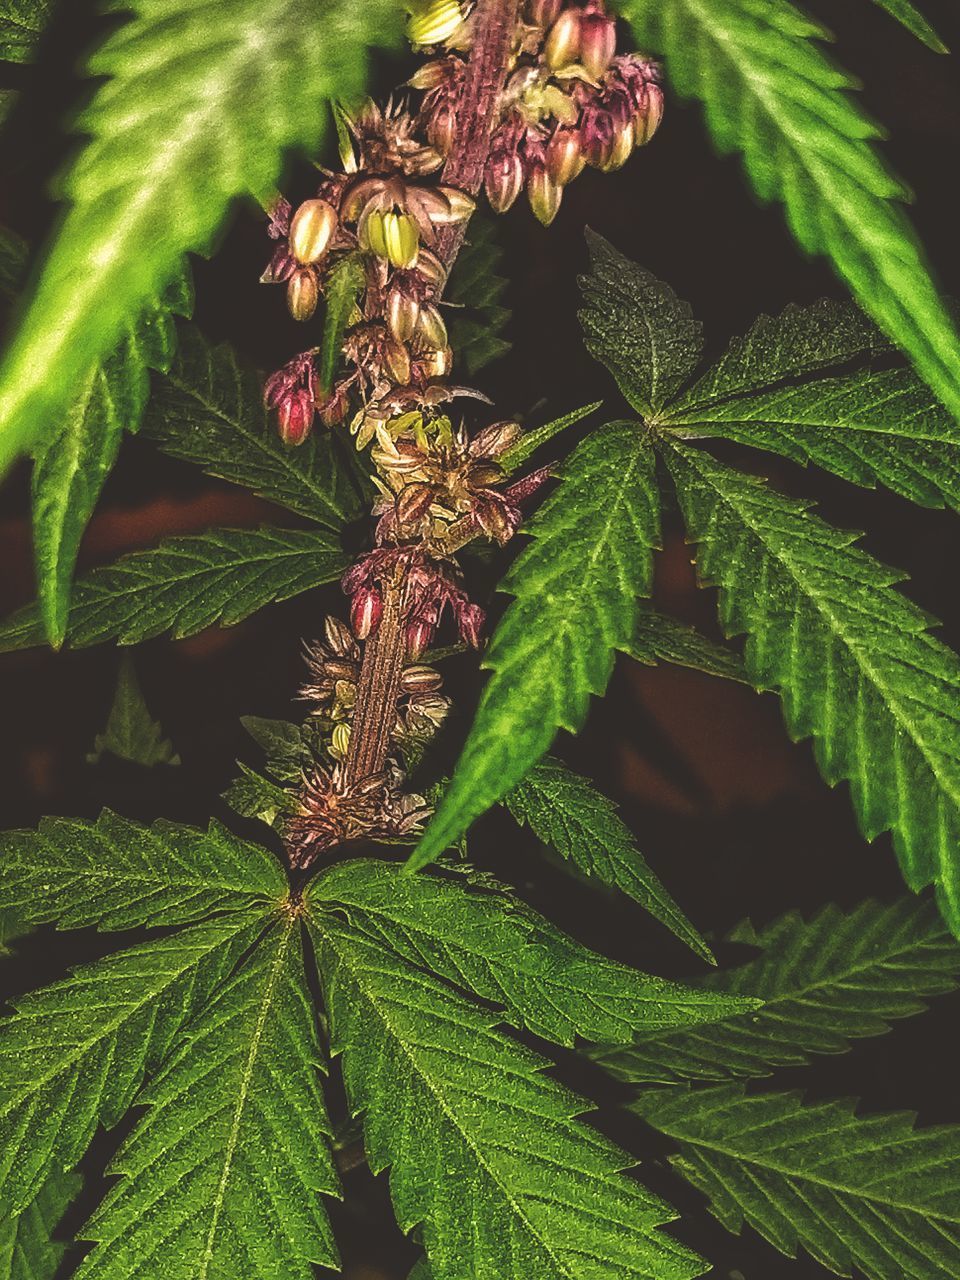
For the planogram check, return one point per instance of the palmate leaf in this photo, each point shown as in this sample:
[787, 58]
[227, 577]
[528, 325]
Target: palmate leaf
[222, 1175]
[186, 584]
[867, 425]
[770, 94]
[825, 983]
[28, 1250]
[73, 459]
[131, 733]
[869, 1192]
[660, 638]
[209, 410]
[486, 1155]
[73, 1055]
[116, 874]
[22, 22]
[488, 944]
[172, 140]
[565, 811]
[528, 444]
[576, 590]
[851, 658]
[911, 17]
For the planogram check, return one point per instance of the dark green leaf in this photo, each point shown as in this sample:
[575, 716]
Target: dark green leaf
[13, 262]
[476, 288]
[131, 733]
[659, 638]
[914, 21]
[341, 291]
[254, 796]
[22, 22]
[531, 441]
[28, 1250]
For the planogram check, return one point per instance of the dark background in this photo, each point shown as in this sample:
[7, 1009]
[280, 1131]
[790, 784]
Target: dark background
[732, 815]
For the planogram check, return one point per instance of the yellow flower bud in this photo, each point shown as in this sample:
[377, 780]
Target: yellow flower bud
[401, 239]
[312, 230]
[435, 23]
[340, 742]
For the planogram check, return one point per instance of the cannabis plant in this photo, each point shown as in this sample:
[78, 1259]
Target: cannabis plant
[330, 973]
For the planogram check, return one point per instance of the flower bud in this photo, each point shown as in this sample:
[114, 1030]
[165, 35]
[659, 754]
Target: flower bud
[338, 636]
[370, 233]
[493, 440]
[419, 634]
[311, 230]
[334, 410]
[420, 679]
[295, 417]
[503, 179]
[414, 502]
[461, 205]
[442, 129]
[430, 268]
[396, 361]
[598, 42]
[562, 45]
[543, 13]
[493, 516]
[435, 23]
[401, 239]
[431, 327]
[302, 294]
[544, 194]
[340, 741]
[648, 116]
[564, 159]
[365, 611]
[436, 363]
[621, 146]
[402, 312]
[470, 620]
[430, 75]
[280, 267]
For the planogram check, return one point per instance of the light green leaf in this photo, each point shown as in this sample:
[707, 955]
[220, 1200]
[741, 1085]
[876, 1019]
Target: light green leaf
[22, 23]
[565, 811]
[770, 94]
[186, 584]
[825, 983]
[131, 733]
[576, 590]
[660, 638]
[852, 659]
[341, 291]
[28, 1250]
[914, 21]
[116, 874]
[531, 441]
[73, 459]
[869, 1192]
[476, 288]
[487, 943]
[222, 1176]
[209, 410]
[487, 1157]
[194, 109]
[637, 326]
[73, 1055]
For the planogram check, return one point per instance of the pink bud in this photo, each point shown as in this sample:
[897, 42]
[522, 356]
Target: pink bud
[365, 611]
[414, 502]
[543, 13]
[442, 129]
[493, 440]
[295, 417]
[280, 267]
[503, 179]
[564, 158]
[470, 619]
[598, 42]
[419, 634]
[648, 116]
[562, 46]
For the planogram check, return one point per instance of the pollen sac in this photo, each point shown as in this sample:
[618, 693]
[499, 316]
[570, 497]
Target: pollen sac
[503, 180]
[564, 156]
[311, 230]
[544, 194]
[434, 22]
[598, 42]
[401, 239]
[366, 609]
[402, 312]
[562, 47]
[302, 294]
[340, 742]
[295, 417]
[431, 327]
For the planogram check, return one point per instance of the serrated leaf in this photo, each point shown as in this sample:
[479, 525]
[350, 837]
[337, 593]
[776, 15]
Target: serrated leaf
[285, 744]
[531, 441]
[172, 140]
[565, 811]
[117, 874]
[851, 658]
[73, 1055]
[871, 1192]
[28, 1250]
[22, 23]
[637, 326]
[489, 944]
[824, 983]
[476, 288]
[223, 1174]
[254, 796]
[341, 290]
[910, 16]
[660, 638]
[131, 733]
[186, 584]
[13, 262]
[770, 94]
[452, 1104]
[576, 589]
[209, 410]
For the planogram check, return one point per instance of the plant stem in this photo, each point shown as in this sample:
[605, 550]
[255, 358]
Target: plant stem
[494, 27]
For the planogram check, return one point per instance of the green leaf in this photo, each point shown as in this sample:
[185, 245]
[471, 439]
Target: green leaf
[341, 291]
[869, 1192]
[838, 978]
[770, 94]
[186, 584]
[476, 288]
[74, 1054]
[565, 811]
[458, 1109]
[637, 326]
[660, 638]
[914, 21]
[116, 874]
[254, 796]
[22, 22]
[27, 1248]
[531, 441]
[209, 410]
[287, 746]
[851, 658]
[13, 262]
[72, 461]
[131, 733]
[576, 590]
[222, 1176]
[489, 944]
[191, 112]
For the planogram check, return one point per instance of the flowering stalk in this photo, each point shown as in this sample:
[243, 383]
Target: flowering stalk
[513, 99]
